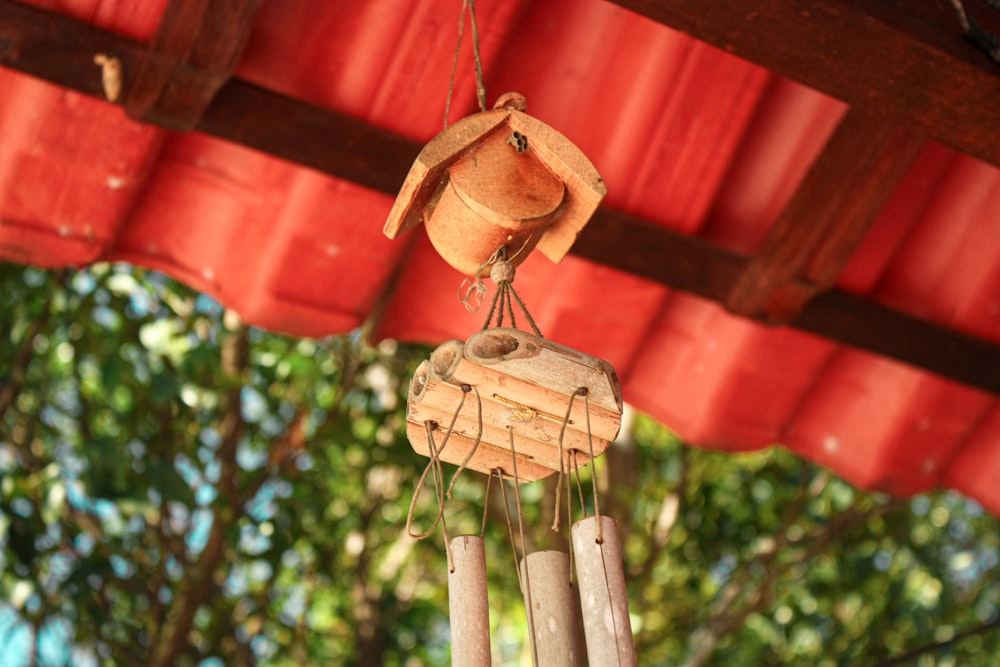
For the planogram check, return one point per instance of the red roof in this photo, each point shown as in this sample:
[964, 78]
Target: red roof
[687, 137]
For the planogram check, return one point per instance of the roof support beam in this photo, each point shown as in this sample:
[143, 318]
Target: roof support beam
[60, 50]
[811, 242]
[197, 46]
[902, 59]
[693, 265]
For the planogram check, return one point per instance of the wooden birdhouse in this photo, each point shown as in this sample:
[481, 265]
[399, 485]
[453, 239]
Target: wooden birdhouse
[506, 383]
[496, 179]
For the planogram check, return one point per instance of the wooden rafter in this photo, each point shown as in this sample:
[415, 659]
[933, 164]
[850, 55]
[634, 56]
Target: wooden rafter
[814, 237]
[348, 148]
[195, 51]
[903, 59]
[696, 266]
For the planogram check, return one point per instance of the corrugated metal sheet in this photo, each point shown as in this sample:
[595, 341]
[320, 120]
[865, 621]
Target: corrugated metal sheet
[685, 135]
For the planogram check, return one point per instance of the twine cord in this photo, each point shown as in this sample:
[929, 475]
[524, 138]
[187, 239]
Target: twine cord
[524, 549]
[470, 7]
[479, 437]
[434, 469]
[563, 471]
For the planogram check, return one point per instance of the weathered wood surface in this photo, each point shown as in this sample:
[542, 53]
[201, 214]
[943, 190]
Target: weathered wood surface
[498, 178]
[525, 389]
[537, 434]
[494, 384]
[551, 601]
[488, 459]
[603, 596]
[904, 60]
[811, 242]
[546, 364]
[469, 603]
[494, 197]
[195, 51]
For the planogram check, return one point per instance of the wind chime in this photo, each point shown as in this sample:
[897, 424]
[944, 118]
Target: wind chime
[507, 402]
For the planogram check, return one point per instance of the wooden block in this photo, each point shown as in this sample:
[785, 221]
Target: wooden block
[526, 387]
[486, 459]
[604, 424]
[536, 435]
[546, 364]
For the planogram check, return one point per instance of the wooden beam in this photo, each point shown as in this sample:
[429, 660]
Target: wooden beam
[195, 51]
[907, 60]
[814, 237]
[693, 265]
[60, 50]
[329, 141]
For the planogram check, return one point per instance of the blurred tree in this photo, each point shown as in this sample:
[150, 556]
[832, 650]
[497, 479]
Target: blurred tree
[177, 488]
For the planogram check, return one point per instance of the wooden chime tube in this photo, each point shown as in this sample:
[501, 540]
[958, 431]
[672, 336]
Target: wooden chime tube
[552, 609]
[468, 603]
[601, 577]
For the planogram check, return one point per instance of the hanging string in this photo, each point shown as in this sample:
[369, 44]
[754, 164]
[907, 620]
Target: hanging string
[569, 511]
[505, 296]
[470, 7]
[479, 437]
[562, 462]
[524, 548]
[480, 86]
[447, 542]
[513, 545]
[473, 289]
[434, 469]
[579, 486]
[486, 503]
[593, 465]
[506, 511]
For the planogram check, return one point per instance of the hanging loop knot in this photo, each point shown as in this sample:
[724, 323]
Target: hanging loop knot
[502, 272]
[473, 290]
[472, 293]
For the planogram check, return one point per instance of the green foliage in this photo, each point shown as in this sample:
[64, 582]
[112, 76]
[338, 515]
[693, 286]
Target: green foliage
[179, 488]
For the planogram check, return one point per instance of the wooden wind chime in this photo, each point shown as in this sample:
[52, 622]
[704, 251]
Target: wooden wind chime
[506, 402]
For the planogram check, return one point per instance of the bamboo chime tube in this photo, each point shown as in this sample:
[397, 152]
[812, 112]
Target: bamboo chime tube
[468, 602]
[601, 578]
[552, 609]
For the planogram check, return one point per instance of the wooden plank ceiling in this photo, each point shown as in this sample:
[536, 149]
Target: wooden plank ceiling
[901, 68]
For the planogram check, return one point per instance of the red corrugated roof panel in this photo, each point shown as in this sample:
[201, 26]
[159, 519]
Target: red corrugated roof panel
[686, 136]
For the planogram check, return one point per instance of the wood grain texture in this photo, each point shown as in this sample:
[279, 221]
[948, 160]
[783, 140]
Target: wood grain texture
[902, 59]
[551, 601]
[813, 239]
[603, 597]
[195, 51]
[469, 602]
